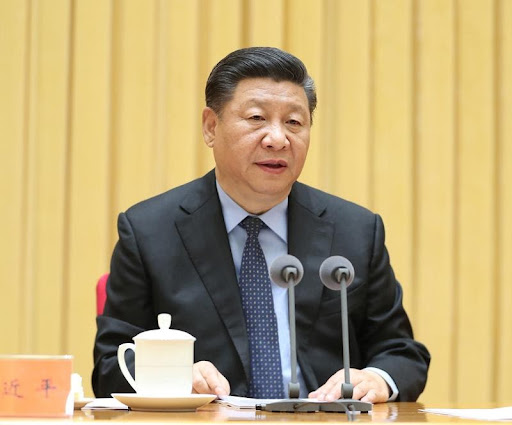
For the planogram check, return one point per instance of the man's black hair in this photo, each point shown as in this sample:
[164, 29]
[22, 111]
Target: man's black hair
[256, 62]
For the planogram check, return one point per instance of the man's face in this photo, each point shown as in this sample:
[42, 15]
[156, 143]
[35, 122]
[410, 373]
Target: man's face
[260, 141]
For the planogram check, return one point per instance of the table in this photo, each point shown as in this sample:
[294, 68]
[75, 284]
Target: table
[404, 413]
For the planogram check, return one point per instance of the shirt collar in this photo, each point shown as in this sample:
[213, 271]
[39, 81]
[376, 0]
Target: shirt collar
[275, 218]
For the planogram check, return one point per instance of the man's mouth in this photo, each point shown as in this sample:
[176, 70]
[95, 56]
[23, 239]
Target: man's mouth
[274, 164]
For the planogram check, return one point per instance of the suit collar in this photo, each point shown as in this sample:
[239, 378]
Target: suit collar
[202, 190]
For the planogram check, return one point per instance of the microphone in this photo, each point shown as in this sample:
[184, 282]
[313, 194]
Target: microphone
[337, 273]
[287, 271]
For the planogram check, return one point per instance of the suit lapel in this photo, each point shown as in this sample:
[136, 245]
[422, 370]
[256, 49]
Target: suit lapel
[309, 239]
[204, 235]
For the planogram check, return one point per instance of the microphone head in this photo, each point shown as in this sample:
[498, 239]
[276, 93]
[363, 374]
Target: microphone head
[333, 269]
[285, 268]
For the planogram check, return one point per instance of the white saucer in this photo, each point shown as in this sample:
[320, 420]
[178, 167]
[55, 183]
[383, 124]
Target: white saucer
[182, 403]
[82, 402]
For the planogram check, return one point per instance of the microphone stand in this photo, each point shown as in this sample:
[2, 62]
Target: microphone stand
[290, 275]
[346, 403]
[293, 385]
[292, 403]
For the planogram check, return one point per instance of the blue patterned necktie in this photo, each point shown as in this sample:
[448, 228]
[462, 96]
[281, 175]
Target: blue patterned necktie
[260, 318]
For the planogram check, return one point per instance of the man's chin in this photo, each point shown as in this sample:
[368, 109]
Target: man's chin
[273, 191]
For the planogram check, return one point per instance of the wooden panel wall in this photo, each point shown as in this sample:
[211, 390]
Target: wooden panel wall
[100, 106]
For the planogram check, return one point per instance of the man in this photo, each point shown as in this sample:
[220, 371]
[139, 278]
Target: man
[187, 252]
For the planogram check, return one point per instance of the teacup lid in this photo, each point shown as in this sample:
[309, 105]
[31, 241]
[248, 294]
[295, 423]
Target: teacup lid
[164, 333]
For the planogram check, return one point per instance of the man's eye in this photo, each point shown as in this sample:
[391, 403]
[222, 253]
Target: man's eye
[257, 118]
[294, 122]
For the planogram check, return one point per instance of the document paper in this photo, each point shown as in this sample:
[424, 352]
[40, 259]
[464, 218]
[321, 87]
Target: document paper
[498, 414]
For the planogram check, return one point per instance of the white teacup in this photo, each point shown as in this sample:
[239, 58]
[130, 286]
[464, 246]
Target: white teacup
[163, 361]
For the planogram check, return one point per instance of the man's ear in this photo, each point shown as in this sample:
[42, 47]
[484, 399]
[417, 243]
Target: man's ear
[210, 120]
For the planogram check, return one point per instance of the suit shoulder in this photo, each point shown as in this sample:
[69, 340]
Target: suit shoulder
[334, 206]
[172, 202]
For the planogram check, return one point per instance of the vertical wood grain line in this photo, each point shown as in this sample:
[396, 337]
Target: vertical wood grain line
[370, 136]
[497, 184]
[329, 44]
[371, 105]
[246, 27]
[415, 90]
[159, 94]
[200, 79]
[108, 208]
[25, 306]
[30, 173]
[68, 158]
[456, 182]
[202, 61]
[114, 114]
[286, 25]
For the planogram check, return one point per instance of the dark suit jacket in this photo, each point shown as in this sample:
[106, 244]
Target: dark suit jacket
[173, 256]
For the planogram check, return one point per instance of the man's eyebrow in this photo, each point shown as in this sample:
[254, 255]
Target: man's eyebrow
[260, 102]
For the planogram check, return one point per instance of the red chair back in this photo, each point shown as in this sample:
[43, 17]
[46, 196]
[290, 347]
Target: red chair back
[101, 294]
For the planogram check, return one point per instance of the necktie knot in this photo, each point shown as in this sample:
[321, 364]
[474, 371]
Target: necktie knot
[252, 226]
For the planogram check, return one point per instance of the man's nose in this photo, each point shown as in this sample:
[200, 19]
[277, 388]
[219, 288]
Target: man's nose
[275, 137]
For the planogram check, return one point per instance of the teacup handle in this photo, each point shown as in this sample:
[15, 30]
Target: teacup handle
[122, 362]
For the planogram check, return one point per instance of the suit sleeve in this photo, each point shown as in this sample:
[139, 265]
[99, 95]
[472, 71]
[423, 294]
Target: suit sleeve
[127, 285]
[388, 339]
